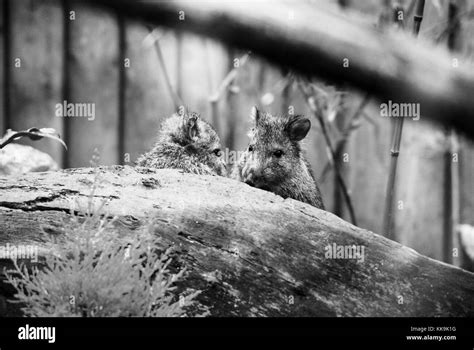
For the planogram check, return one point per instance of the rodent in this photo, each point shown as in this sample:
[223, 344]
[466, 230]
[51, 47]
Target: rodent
[274, 160]
[186, 142]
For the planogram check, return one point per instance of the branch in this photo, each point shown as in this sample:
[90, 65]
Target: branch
[229, 79]
[390, 65]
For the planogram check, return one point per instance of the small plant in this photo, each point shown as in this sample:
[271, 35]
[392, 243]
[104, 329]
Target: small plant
[118, 280]
[91, 273]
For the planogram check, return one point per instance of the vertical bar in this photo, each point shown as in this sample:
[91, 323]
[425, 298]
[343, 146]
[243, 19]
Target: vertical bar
[451, 188]
[121, 88]
[231, 101]
[179, 65]
[66, 93]
[6, 64]
[35, 68]
[94, 77]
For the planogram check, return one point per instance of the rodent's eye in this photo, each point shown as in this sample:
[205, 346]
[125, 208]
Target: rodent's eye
[250, 148]
[217, 152]
[278, 153]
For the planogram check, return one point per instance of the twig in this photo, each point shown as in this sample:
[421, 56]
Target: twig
[330, 150]
[229, 78]
[177, 101]
[352, 125]
[211, 86]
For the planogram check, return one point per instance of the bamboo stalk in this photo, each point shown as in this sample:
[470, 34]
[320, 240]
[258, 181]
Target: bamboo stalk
[395, 149]
[452, 190]
[394, 152]
[418, 18]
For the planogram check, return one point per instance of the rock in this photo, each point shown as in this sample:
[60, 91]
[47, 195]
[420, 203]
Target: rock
[18, 159]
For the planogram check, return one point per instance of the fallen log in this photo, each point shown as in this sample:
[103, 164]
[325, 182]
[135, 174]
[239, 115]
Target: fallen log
[252, 253]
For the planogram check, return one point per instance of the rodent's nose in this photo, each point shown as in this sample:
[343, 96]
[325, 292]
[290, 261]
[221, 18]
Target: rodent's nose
[250, 183]
[253, 178]
[249, 177]
[257, 182]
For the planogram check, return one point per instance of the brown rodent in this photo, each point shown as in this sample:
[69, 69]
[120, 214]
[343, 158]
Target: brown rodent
[274, 160]
[186, 142]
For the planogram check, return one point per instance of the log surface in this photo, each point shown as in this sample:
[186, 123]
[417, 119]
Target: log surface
[252, 253]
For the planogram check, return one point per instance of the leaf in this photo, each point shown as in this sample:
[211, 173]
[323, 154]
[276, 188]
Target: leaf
[332, 115]
[34, 134]
[267, 99]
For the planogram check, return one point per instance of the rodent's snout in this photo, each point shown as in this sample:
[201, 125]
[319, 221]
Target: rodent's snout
[248, 177]
[250, 183]
[254, 175]
[251, 178]
[254, 180]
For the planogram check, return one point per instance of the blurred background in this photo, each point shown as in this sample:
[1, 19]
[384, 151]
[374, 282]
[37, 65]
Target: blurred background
[54, 50]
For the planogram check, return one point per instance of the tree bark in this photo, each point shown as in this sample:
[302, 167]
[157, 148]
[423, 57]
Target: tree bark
[252, 253]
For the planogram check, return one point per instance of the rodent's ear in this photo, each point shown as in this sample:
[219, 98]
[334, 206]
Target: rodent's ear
[254, 114]
[298, 127]
[190, 124]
